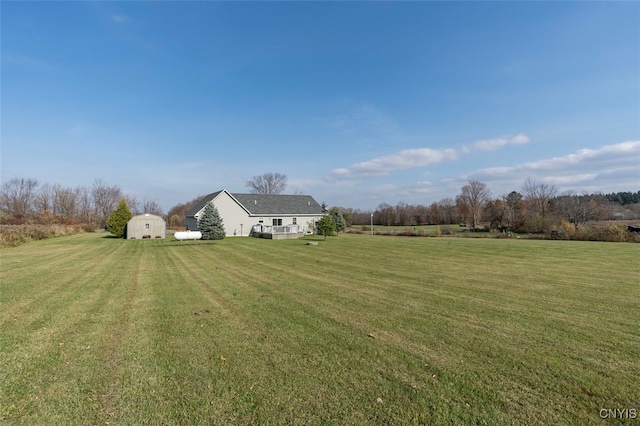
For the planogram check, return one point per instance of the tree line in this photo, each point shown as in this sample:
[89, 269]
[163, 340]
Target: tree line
[24, 200]
[624, 198]
[536, 207]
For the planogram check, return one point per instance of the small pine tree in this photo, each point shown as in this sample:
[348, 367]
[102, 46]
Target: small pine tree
[117, 221]
[326, 226]
[210, 224]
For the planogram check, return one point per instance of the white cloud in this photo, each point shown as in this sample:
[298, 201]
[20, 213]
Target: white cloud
[491, 144]
[402, 160]
[608, 168]
[571, 179]
[605, 157]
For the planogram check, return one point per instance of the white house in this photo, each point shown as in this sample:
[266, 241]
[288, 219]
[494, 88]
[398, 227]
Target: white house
[270, 216]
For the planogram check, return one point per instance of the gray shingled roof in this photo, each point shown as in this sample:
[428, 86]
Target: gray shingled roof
[258, 204]
[200, 204]
[279, 204]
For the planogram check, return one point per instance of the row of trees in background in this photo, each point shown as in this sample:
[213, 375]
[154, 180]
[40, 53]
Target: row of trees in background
[27, 200]
[536, 208]
[624, 198]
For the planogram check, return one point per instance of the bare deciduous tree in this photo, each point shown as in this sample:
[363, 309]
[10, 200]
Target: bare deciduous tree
[85, 207]
[447, 210]
[65, 202]
[539, 202]
[577, 209]
[435, 214]
[151, 207]
[474, 195]
[268, 183]
[513, 201]
[17, 196]
[539, 196]
[43, 200]
[402, 214]
[497, 212]
[134, 204]
[105, 199]
[385, 215]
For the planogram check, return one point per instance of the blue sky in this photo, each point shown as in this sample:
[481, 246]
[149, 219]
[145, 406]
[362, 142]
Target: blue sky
[357, 103]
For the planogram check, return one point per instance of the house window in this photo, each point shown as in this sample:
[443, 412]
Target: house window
[295, 220]
[277, 222]
[146, 226]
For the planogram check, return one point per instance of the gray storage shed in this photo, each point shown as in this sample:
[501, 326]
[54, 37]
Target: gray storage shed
[146, 226]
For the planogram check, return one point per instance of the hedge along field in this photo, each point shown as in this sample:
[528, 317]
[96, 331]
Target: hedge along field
[358, 329]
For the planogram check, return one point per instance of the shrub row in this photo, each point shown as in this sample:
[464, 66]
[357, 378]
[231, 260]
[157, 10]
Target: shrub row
[14, 235]
[612, 232]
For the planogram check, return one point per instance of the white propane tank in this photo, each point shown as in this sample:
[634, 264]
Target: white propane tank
[187, 235]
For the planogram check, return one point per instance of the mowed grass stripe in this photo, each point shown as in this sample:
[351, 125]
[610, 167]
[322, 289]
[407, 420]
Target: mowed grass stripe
[43, 272]
[269, 337]
[267, 273]
[537, 275]
[81, 337]
[254, 331]
[50, 292]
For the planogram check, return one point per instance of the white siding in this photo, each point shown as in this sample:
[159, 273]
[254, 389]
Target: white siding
[234, 218]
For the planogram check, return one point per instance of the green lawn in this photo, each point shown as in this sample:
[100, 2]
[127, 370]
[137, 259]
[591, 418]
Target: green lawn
[357, 330]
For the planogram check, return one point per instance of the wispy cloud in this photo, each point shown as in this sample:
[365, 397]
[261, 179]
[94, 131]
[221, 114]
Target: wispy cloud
[571, 179]
[418, 157]
[402, 160]
[604, 157]
[610, 167]
[120, 18]
[603, 169]
[491, 144]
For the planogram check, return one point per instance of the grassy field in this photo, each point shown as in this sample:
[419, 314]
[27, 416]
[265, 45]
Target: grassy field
[359, 329]
[421, 230]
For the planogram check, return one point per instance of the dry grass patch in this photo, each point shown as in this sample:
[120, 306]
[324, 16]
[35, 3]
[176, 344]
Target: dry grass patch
[14, 235]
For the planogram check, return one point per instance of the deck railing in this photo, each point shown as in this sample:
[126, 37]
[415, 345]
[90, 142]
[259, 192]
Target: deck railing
[268, 229]
[286, 232]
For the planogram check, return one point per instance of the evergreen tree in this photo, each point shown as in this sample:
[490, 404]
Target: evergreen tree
[117, 221]
[210, 224]
[326, 226]
[338, 219]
